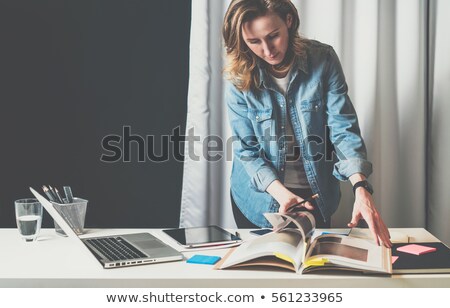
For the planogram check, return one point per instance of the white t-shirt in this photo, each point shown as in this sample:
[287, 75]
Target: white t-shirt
[295, 175]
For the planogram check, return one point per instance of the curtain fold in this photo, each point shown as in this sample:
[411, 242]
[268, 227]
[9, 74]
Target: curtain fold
[384, 49]
[195, 193]
[205, 194]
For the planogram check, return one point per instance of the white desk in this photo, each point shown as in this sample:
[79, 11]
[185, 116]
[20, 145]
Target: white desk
[55, 261]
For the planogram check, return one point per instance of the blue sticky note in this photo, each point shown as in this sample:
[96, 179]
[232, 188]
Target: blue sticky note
[339, 233]
[202, 259]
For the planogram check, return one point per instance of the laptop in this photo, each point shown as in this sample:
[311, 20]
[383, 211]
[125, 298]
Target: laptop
[117, 250]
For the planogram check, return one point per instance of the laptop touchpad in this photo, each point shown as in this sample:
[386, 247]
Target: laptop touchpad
[149, 244]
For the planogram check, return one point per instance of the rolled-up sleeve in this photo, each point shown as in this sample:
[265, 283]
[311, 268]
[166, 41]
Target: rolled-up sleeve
[342, 120]
[246, 146]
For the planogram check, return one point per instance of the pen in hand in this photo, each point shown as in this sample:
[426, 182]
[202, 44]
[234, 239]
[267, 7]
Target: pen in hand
[291, 209]
[299, 205]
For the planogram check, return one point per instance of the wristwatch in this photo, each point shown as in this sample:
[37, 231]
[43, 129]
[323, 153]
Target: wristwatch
[364, 184]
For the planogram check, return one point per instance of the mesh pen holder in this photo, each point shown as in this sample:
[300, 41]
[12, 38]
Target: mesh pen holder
[73, 213]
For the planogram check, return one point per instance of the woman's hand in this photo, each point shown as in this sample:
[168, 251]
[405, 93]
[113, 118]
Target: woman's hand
[364, 207]
[285, 197]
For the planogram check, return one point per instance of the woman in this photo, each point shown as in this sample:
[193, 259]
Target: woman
[296, 129]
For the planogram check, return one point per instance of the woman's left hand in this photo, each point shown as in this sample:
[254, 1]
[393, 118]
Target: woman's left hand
[364, 208]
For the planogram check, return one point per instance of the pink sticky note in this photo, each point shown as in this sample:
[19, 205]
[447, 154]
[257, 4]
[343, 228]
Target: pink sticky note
[416, 249]
[393, 259]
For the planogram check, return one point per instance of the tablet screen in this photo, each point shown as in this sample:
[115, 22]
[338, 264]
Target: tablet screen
[202, 236]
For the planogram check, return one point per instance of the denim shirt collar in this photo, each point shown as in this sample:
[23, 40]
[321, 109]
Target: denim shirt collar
[301, 63]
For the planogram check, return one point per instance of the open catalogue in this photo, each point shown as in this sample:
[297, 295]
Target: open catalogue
[290, 246]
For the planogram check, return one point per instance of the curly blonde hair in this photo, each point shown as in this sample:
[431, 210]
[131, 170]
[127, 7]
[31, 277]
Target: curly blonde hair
[242, 67]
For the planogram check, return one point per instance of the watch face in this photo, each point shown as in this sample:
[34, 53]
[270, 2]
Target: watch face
[369, 188]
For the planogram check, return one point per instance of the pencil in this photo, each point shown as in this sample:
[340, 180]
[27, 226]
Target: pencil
[53, 192]
[59, 196]
[48, 193]
[50, 189]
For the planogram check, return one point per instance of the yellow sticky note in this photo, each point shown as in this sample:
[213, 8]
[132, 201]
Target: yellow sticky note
[284, 257]
[316, 262]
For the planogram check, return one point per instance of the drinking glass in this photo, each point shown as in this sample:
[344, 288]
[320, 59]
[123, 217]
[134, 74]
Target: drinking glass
[28, 218]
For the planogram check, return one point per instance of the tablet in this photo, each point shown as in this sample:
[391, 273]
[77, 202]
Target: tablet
[261, 231]
[202, 236]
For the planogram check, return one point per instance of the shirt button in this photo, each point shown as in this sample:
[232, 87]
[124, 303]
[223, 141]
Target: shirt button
[282, 105]
[282, 127]
[290, 100]
[257, 117]
[316, 107]
[282, 169]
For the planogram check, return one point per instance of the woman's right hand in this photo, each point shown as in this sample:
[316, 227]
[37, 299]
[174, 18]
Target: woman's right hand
[285, 197]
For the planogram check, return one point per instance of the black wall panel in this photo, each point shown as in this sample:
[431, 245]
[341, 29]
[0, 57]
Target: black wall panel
[75, 72]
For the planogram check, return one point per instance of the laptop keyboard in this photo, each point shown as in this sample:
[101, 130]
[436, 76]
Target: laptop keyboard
[116, 248]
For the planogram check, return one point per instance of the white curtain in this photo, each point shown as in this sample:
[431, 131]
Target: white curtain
[205, 198]
[385, 49]
[438, 210]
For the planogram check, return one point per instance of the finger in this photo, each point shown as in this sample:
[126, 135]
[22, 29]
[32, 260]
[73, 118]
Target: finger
[299, 200]
[292, 209]
[286, 209]
[289, 208]
[382, 230]
[387, 243]
[297, 207]
[386, 228]
[382, 236]
[282, 209]
[373, 229]
[385, 238]
[298, 204]
[354, 222]
[308, 205]
[385, 233]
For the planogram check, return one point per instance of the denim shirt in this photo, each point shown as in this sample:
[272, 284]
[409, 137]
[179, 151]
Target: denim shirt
[325, 127]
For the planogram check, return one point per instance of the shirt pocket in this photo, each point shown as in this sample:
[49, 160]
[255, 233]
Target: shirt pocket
[263, 126]
[259, 116]
[311, 105]
[312, 100]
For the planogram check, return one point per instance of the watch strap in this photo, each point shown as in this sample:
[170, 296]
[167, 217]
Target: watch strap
[364, 184]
